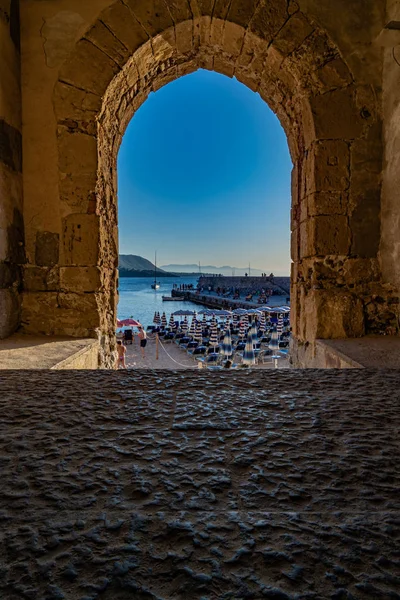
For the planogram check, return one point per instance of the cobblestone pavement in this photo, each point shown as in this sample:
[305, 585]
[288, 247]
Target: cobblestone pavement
[192, 485]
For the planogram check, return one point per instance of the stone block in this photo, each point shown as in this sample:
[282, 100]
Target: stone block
[233, 38]
[120, 20]
[184, 37]
[292, 34]
[77, 152]
[47, 248]
[333, 74]
[365, 223]
[88, 68]
[240, 13]
[41, 279]
[323, 235]
[326, 167]
[221, 65]
[221, 8]
[269, 18]
[80, 279]
[81, 235]
[202, 7]
[336, 115]
[71, 104]
[332, 314]
[9, 312]
[180, 11]
[107, 41]
[152, 14]
[327, 203]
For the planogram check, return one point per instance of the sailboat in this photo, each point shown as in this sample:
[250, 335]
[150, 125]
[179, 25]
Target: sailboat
[155, 285]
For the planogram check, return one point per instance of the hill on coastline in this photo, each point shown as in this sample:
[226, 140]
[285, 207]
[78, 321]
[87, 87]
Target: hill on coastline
[226, 270]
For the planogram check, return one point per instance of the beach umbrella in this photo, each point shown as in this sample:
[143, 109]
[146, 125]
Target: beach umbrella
[239, 311]
[279, 327]
[155, 317]
[253, 333]
[204, 319]
[184, 325]
[249, 357]
[213, 337]
[163, 320]
[171, 322]
[274, 346]
[193, 326]
[263, 324]
[242, 330]
[245, 321]
[129, 323]
[198, 336]
[226, 347]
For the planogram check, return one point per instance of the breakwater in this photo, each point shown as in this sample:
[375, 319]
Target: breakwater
[246, 284]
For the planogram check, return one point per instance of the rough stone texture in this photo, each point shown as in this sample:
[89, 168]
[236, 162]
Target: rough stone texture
[11, 225]
[166, 485]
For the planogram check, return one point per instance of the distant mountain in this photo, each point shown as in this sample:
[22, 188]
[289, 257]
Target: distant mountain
[137, 263]
[225, 270]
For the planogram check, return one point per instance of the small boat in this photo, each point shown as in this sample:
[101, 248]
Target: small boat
[155, 285]
[170, 299]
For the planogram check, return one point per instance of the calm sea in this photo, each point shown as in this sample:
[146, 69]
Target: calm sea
[138, 300]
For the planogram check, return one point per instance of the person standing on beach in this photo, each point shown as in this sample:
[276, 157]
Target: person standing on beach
[121, 350]
[143, 339]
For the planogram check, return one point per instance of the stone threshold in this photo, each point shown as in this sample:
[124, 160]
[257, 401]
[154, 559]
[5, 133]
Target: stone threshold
[369, 352]
[22, 351]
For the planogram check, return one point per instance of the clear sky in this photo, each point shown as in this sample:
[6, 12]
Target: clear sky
[204, 175]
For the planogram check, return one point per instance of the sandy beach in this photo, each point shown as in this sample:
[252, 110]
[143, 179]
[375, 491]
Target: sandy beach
[170, 356]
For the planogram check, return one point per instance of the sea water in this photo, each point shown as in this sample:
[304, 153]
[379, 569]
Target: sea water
[138, 300]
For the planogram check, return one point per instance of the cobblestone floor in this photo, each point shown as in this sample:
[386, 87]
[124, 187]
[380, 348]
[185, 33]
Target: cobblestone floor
[192, 485]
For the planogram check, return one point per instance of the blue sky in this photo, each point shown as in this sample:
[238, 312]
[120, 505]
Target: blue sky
[204, 175]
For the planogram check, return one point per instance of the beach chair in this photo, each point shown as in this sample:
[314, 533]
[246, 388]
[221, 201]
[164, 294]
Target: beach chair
[128, 337]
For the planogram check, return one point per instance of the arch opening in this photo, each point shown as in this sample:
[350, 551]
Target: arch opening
[204, 179]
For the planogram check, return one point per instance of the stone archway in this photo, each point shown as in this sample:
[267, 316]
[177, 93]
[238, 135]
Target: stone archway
[332, 123]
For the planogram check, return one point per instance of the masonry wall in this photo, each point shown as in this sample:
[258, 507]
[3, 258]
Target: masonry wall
[390, 207]
[11, 221]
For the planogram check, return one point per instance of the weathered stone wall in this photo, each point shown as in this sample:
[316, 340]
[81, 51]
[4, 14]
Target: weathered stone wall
[11, 223]
[317, 68]
[390, 241]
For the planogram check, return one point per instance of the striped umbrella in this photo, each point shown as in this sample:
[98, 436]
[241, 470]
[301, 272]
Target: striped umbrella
[213, 337]
[157, 318]
[249, 358]
[242, 330]
[279, 327]
[163, 320]
[274, 346]
[253, 332]
[263, 323]
[245, 320]
[204, 319]
[193, 326]
[198, 336]
[226, 347]
[184, 325]
[171, 322]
